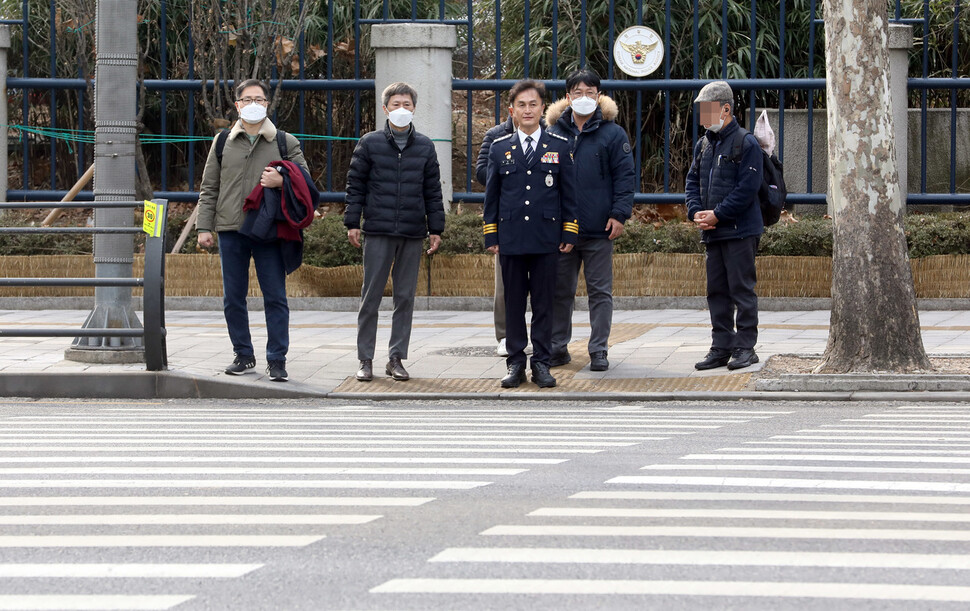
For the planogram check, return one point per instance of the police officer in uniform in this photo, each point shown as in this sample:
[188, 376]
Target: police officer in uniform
[530, 217]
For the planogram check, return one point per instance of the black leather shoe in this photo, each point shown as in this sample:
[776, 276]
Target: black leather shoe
[541, 376]
[396, 370]
[743, 357]
[598, 362]
[715, 358]
[560, 359]
[366, 371]
[515, 376]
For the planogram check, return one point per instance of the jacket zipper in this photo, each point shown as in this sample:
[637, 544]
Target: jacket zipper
[397, 209]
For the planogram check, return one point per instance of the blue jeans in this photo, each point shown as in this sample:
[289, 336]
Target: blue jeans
[235, 251]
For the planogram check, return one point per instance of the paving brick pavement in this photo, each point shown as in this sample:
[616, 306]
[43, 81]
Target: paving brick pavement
[454, 351]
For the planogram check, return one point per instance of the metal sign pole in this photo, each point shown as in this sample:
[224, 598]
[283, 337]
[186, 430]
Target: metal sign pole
[114, 179]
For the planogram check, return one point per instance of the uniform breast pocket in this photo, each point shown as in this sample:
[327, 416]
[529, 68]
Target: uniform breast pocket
[506, 169]
[551, 174]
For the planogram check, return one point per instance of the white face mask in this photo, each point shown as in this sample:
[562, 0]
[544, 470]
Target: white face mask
[717, 126]
[253, 113]
[583, 106]
[400, 117]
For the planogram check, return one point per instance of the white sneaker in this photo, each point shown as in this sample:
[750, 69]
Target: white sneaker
[502, 350]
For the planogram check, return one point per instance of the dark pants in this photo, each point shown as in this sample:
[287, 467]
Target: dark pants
[532, 276]
[235, 251]
[401, 258]
[731, 279]
[595, 255]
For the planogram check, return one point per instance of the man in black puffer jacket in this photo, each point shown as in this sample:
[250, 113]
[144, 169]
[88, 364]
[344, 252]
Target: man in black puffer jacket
[394, 182]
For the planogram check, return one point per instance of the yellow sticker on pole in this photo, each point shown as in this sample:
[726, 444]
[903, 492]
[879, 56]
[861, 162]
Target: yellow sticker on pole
[150, 219]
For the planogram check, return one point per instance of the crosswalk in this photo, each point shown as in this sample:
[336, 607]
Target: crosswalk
[868, 513]
[87, 488]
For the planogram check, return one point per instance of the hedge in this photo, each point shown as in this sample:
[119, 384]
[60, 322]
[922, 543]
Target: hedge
[327, 246]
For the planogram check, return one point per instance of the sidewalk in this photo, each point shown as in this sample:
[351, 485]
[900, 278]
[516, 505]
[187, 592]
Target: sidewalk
[453, 352]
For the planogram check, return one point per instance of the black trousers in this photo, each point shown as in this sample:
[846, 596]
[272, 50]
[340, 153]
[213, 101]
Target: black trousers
[532, 276]
[731, 299]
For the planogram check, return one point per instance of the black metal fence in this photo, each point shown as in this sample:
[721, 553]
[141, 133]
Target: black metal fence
[769, 51]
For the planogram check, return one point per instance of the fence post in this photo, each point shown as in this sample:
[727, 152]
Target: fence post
[420, 54]
[900, 42]
[4, 115]
[115, 89]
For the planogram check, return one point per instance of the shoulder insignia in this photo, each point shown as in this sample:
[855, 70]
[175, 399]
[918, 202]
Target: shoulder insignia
[505, 137]
[555, 135]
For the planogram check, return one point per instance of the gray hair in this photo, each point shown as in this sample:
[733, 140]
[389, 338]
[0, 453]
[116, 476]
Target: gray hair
[399, 88]
[716, 91]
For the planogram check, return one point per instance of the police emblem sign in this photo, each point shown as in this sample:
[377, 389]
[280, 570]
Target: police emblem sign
[638, 51]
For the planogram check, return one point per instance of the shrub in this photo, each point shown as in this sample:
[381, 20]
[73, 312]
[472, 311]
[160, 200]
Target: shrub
[809, 237]
[325, 244]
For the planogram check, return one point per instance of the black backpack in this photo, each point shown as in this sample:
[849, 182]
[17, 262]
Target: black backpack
[224, 135]
[772, 192]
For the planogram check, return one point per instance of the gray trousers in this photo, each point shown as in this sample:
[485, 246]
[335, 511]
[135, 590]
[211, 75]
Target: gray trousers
[498, 305]
[595, 255]
[401, 258]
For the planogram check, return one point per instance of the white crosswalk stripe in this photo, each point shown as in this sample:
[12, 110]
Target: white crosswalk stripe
[722, 524]
[104, 481]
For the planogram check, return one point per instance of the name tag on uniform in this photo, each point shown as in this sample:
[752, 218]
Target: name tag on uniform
[550, 158]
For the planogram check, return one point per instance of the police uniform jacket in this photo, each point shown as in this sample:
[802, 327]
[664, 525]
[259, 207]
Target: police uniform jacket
[530, 208]
[605, 175]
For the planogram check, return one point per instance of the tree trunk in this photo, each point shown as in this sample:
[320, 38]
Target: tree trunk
[874, 324]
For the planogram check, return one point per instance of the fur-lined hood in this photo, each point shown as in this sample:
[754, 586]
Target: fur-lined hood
[606, 105]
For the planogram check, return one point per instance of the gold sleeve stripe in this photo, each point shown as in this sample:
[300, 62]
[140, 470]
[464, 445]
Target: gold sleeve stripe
[488, 230]
[570, 227]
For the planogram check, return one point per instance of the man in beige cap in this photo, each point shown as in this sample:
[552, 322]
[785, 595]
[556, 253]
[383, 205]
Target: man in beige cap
[722, 200]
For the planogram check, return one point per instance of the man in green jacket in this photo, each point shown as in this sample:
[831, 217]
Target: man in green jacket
[227, 179]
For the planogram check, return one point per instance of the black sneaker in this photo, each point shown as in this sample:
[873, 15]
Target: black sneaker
[241, 365]
[598, 361]
[277, 371]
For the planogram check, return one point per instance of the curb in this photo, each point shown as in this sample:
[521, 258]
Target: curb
[177, 385]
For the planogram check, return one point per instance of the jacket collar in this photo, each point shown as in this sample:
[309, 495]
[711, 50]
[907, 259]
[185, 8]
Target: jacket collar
[267, 130]
[606, 110]
[390, 135]
[727, 130]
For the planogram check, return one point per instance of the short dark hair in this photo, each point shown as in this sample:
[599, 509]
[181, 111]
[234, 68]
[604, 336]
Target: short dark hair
[399, 88]
[525, 85]
[586, 76]
[243, 86]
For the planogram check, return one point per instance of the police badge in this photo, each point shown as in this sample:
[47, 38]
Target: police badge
[549, 179]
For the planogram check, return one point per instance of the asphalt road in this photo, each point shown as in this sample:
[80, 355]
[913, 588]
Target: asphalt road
[299, 505]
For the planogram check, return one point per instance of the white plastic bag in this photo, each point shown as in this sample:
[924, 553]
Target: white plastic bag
[764, 133]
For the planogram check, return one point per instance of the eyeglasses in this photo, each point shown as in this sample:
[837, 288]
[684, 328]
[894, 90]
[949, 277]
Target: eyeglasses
[581, 94]
[248, 101]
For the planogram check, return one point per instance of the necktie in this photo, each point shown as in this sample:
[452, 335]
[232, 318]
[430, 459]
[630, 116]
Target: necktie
[529, 151]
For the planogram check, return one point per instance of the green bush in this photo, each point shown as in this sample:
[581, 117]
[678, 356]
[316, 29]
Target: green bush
[325, 244]
[809, 237]
[938, 234]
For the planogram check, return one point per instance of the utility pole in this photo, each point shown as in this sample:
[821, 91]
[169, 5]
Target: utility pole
[116, 74]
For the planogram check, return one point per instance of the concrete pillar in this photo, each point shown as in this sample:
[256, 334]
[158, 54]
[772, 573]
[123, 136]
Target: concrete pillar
[420, 55]
[900, 42]
[115, 128]
[4, 120]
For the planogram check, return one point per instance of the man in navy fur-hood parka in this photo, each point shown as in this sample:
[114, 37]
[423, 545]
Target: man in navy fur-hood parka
[605, 181]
